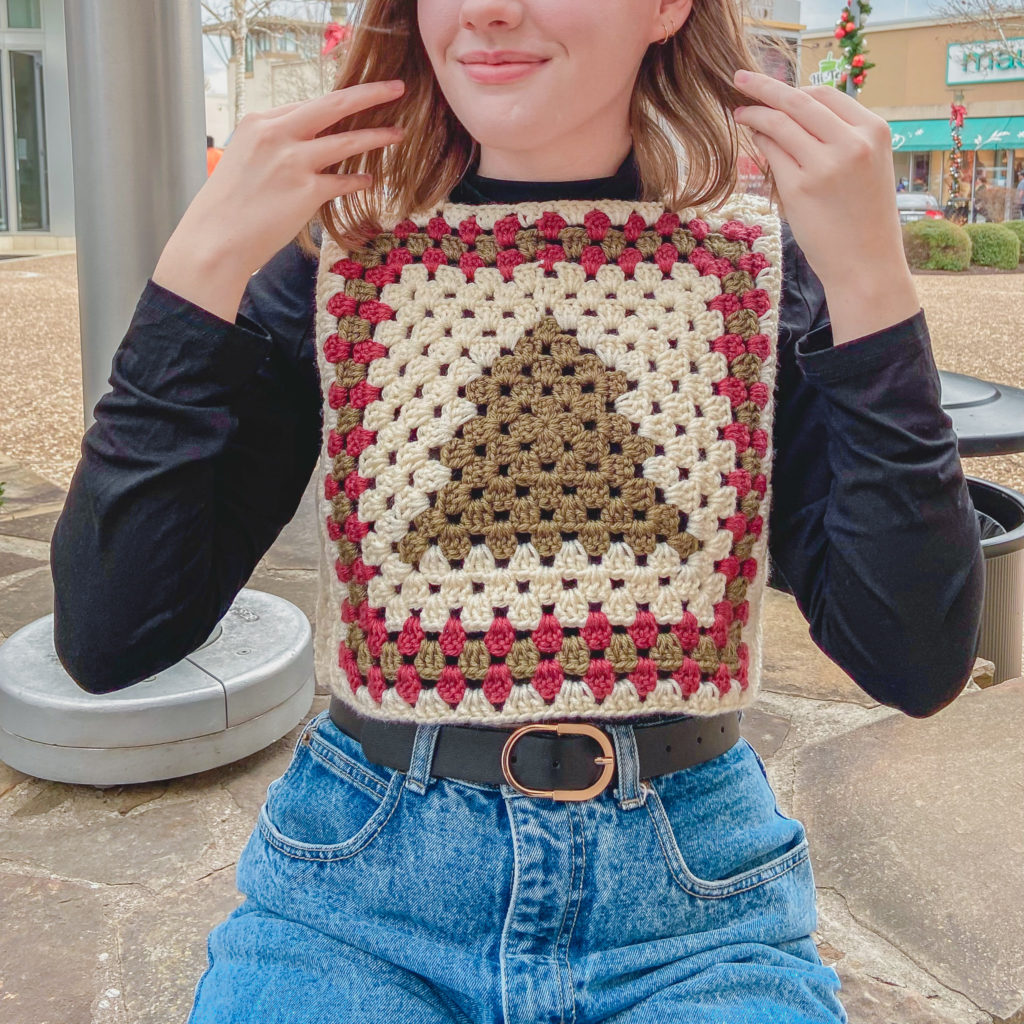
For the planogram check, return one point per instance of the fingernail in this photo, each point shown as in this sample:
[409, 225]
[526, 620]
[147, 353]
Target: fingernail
[396, 84]
[742, 76]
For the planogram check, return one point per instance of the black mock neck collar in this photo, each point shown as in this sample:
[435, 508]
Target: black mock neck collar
[474, 188]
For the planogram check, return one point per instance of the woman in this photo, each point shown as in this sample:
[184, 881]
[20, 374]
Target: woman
[509, 363]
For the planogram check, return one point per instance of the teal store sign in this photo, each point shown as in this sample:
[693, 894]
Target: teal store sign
[977, 133]
[983, 63]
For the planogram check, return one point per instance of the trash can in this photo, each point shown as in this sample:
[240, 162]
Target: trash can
[1000, 513]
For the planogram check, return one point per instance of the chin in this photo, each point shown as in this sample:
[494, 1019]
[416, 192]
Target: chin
[505, 120]
[500, 132]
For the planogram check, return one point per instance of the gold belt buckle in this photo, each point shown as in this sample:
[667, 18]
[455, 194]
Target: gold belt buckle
[607, 758]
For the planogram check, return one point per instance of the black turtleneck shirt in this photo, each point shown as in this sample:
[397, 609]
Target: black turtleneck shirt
[204, 445]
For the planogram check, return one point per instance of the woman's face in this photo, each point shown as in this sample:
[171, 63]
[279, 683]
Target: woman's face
[567, 116]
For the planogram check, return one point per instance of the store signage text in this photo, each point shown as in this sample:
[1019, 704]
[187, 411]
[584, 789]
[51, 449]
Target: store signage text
[985, 61]
[830, 70]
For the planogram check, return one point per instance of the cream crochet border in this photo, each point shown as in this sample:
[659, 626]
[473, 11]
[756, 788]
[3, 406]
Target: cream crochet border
[574, 701]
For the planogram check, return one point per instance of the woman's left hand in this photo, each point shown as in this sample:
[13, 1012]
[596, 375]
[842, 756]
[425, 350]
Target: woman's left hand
[832, 163]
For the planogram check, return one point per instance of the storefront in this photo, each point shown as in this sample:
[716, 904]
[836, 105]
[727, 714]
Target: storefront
[922, 67]
[992, 156]
[36, 187]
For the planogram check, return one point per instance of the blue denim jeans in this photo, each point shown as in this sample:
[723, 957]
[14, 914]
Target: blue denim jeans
[374, 895]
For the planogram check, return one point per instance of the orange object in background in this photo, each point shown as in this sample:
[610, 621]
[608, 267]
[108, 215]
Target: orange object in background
[213, 154]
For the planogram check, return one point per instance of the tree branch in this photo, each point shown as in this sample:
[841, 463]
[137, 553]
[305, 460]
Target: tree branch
[980, 16]
[218, 20]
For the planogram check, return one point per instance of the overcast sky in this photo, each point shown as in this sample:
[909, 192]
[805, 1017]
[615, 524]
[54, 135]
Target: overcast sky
[819, 13]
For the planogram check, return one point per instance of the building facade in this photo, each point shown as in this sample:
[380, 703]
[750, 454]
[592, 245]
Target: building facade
[923, 65]
[36, 185]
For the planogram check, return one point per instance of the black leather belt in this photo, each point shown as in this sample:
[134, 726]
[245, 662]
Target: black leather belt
[569, 760]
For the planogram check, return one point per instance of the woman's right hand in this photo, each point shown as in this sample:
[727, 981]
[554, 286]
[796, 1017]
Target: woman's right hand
[265, 188]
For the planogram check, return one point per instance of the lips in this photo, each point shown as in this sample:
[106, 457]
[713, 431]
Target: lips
[501, 57]
[496, 74]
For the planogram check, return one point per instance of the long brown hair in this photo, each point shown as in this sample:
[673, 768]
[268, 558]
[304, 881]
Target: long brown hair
[684, 88]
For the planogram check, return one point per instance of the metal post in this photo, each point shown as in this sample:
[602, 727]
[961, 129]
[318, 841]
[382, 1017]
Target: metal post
[851, 89]
[138, 133]
[972, 213]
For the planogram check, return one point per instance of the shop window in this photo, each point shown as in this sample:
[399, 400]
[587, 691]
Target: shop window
[993, 192]
[901, 171]
[920, 171]
[996, 165]
[912, 171]
[23, 14]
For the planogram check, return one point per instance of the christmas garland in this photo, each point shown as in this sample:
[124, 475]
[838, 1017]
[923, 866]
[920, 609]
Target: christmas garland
[851, 41]
[957, 113]
[335, 34]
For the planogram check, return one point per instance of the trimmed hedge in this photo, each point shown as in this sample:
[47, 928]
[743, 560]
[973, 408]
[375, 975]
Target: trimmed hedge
[1017, 227]
[993, 245]
[933, 244]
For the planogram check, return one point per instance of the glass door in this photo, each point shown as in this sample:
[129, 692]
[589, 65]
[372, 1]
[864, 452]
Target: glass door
[5, 224]
[29, 141]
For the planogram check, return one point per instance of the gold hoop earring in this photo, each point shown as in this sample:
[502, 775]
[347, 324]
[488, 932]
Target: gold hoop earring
[662, 42]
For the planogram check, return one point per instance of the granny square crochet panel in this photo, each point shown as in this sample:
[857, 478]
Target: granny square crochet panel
[547, 460]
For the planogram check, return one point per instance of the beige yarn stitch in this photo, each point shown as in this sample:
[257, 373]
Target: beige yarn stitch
[537, 444]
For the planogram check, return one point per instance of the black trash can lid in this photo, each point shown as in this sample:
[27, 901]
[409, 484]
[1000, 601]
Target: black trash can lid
[988, 418]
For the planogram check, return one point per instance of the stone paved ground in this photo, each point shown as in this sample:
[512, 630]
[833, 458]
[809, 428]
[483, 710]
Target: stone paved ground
[916, 827]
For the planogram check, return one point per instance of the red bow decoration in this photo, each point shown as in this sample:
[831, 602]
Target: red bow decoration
[957, 113]
[334, 34]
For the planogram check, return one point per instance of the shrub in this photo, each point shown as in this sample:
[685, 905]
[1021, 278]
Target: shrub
[936, 245]
[993, 245]
[1017, 227]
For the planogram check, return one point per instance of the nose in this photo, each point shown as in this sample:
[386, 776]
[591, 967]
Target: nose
[485, 14]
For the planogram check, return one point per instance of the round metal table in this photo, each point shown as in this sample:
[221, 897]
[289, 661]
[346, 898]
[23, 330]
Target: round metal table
[988, 418]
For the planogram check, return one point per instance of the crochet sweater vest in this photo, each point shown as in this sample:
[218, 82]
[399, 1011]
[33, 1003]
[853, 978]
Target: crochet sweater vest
[547, 460]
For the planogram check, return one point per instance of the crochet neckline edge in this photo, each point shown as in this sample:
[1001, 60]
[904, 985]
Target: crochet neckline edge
[747, 206]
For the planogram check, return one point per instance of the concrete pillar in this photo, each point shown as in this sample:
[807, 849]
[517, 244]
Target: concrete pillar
[138, 133]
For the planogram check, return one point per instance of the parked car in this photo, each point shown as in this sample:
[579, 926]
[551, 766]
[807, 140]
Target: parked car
[915, 205]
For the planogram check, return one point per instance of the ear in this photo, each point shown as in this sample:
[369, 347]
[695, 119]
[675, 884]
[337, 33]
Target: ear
[671, 14]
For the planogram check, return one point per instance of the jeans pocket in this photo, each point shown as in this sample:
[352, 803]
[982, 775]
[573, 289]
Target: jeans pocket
[332, 802]
[719, 826]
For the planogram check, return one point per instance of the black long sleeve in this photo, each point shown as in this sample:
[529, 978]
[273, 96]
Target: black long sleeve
[201, 452]
[872, 525]
[197, 459]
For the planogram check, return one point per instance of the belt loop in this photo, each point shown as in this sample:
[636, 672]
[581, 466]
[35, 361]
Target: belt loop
[422, 757]
[629, 793]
